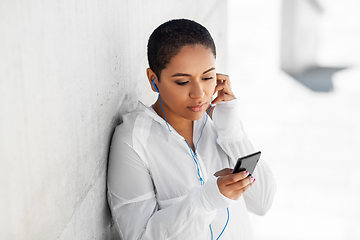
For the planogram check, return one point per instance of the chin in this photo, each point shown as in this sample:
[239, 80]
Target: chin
[195, 116]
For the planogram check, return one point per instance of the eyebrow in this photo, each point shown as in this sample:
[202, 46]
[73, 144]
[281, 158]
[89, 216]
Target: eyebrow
[188, 75]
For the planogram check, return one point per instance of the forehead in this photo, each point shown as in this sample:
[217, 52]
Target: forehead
[192, 60]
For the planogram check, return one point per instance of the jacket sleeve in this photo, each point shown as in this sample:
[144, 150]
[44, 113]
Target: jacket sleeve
[234, 141]
[133, 204]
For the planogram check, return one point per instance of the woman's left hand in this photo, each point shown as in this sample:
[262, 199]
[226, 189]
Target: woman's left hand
[223, 89]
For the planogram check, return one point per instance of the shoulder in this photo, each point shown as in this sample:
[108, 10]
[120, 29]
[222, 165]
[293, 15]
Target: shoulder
[130, 138]
[135, 125]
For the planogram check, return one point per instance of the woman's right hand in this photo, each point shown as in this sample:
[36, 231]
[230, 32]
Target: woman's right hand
[233, 185]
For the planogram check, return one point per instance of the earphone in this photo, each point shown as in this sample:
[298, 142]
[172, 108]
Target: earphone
[193, 154]
[153, 82]
[157, 90]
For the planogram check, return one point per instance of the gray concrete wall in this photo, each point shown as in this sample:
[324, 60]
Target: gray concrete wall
[68, 71]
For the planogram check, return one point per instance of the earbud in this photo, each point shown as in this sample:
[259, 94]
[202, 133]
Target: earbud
[153, 81]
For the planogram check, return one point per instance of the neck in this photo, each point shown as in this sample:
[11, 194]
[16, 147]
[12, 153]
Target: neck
[183, 126]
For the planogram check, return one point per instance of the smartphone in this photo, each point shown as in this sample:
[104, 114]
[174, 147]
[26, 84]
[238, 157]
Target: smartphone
[247, 163]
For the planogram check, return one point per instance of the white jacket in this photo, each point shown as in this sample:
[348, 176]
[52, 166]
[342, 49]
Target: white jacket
[154, 190]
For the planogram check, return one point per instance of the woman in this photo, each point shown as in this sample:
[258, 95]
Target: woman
[169, 174]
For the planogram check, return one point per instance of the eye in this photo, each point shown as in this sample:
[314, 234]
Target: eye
[182, 83]
[208, 78]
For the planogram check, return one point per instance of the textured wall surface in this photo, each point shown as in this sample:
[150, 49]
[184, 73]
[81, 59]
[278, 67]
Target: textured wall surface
[68, 71]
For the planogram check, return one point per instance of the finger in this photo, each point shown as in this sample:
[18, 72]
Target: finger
[234, 191]
[253, 181]
[224, 92]
[241, 184]
[222, 86]
[223, 78]
[222, 97]
[223, 172]
[242, 190]
[232, 178]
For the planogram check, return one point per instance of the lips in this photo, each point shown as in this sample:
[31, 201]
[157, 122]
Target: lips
[197, 108]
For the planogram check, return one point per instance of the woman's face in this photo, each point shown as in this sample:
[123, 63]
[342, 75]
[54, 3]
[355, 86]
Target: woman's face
[187, 83]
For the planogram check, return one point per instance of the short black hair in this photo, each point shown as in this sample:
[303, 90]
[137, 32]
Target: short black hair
[167, 40]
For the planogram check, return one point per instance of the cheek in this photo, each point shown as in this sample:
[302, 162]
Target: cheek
[210, 87]
[176, 95]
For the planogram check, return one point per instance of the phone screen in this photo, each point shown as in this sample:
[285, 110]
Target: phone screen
[247, 163]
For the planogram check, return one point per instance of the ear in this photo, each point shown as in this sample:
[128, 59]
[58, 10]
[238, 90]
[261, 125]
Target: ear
[151, 75]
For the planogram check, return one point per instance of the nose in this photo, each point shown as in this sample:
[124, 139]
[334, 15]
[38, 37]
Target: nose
[197, 91]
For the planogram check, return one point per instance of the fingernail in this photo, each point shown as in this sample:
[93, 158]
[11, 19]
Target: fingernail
[247, 172]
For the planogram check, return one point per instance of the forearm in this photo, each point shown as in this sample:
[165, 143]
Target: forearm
[235, 142]
[231, 136]
[186, 219]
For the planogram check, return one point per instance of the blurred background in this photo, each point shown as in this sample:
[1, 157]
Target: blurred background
[296, 68]
[70, 70]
